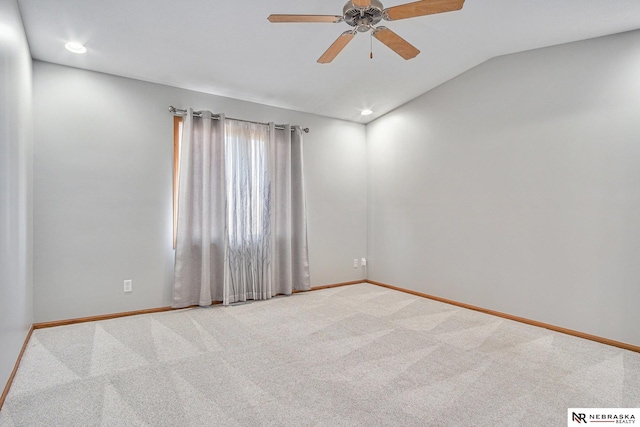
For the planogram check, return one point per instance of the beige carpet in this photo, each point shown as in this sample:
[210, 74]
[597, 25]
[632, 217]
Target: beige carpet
[359, 355]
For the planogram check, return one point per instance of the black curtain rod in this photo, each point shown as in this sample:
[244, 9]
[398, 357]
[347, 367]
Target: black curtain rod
[179, 112]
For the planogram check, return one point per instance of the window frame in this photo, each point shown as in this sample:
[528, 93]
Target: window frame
[177, 135]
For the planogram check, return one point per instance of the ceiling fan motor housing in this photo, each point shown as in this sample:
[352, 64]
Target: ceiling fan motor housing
[363, 18]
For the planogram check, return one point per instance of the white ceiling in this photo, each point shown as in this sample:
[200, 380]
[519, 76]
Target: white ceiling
[230, 49]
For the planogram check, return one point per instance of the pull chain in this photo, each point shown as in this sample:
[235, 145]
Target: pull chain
[371, 44]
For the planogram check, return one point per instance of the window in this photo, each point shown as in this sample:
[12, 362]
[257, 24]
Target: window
[247, 177]
[247, 181]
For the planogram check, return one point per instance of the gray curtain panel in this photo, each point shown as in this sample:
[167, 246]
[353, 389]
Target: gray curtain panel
[241, 226]
[290, 252]
[201, 222]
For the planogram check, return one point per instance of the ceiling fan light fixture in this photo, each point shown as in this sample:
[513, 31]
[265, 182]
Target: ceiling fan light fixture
[363, 18]
[75, 47]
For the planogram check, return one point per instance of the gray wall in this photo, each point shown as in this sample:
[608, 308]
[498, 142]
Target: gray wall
[103, 190]
[16, 300]
[516, 187]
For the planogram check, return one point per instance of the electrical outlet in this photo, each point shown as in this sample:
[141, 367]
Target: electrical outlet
[128, 285]
[355, 263]
[363, 262]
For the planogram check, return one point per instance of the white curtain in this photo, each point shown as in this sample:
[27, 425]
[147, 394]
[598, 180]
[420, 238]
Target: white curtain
[248, 263]
[241, 227]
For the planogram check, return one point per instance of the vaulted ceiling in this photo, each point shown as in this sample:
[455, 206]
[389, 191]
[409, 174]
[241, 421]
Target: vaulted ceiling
[229, 48]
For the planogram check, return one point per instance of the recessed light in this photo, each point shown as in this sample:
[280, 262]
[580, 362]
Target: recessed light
[75, 47]
[366, 112]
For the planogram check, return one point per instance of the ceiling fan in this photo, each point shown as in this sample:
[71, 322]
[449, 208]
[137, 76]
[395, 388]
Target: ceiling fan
[363, 15]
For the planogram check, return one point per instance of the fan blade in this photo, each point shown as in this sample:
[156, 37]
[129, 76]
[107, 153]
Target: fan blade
[421, 8]
[361, 3]
[336, 47]
[396, 43]
[304, 18]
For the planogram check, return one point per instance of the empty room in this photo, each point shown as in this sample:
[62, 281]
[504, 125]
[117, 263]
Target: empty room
[319, 213]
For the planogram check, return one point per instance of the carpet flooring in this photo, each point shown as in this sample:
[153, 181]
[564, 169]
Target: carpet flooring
[358, 355]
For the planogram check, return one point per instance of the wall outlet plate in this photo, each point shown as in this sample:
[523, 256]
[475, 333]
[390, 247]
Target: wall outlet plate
[128, 285]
